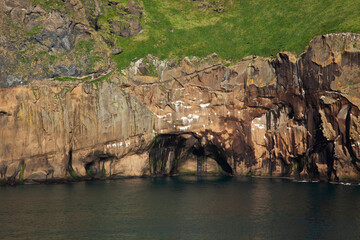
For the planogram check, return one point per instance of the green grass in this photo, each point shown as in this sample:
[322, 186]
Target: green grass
[89, 172]
[50, 4]
[186, 171]
[72, 79]
[259, 27]
[85, 46]
[73, 174]
[22, 168]
[103, 78]
[347, 178]
[34, 31]
[103, 171]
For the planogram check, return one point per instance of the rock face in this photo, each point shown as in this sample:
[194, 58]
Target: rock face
[73, 129]
[284, 117]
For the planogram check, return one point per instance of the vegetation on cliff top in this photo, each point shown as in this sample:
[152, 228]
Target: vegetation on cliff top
[50, 38]
[178, 28]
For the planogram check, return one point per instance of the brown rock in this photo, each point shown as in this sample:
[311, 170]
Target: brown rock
[259, 117]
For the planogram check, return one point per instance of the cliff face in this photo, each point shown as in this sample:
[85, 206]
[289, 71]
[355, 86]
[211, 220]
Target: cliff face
[285, 117]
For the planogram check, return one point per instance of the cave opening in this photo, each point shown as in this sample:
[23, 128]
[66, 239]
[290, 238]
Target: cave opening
[94, 164]
[186, 153]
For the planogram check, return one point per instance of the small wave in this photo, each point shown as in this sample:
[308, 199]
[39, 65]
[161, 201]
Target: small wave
[302, 181]
[346, 184]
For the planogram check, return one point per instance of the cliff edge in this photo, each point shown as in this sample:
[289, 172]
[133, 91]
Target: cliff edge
[287, 116]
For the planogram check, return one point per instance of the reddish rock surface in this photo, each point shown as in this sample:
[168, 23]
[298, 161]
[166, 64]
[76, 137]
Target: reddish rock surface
[291, 116]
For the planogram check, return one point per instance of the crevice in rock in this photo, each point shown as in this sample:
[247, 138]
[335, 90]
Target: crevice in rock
[298, 165]
[354, 160]
[19, 170]
[3, 170]
[322, 153]
[3, 113]
[48, 172]
[286, 169]
[70, 168]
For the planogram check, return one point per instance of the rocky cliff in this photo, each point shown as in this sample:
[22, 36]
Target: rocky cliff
[289, 116]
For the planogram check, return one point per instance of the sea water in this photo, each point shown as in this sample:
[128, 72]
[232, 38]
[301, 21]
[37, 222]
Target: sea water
[186, 207]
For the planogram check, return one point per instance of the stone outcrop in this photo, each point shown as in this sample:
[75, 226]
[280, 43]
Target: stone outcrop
[291, 116]
[48, 39]
[214, 5]
[111, 18]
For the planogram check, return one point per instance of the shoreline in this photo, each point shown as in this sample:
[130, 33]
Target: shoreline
[67, 181]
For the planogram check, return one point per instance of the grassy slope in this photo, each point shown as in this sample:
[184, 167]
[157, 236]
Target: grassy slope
[260, 27]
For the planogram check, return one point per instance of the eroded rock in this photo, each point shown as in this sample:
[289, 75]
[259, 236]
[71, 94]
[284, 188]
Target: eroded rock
[259, 117]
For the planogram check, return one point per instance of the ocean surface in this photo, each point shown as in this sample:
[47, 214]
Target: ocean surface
[187, 207]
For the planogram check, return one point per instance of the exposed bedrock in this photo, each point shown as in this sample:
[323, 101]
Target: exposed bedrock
[38, 42]
[291, 116]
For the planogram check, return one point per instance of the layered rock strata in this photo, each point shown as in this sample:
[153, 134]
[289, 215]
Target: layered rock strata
[285, 117]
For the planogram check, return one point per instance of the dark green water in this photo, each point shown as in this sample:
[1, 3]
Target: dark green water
[181, 208]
